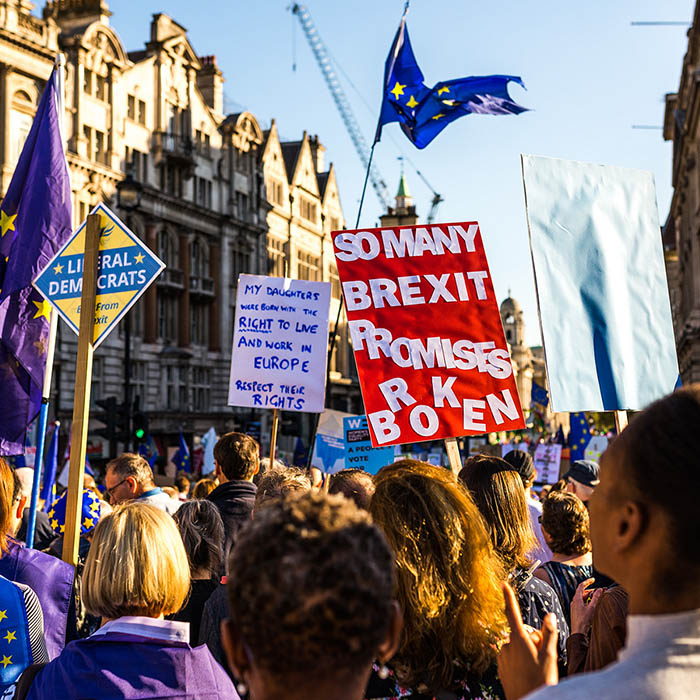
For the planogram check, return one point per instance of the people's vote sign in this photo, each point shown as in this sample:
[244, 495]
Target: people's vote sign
[280, 344]
[426, 332]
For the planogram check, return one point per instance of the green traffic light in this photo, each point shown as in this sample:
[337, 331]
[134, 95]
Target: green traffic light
[140, 432]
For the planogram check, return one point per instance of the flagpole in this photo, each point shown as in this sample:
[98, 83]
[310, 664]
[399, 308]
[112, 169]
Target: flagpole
[340, 310]
[60, 64]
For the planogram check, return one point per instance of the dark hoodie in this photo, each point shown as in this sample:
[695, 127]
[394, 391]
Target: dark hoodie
[235, 500]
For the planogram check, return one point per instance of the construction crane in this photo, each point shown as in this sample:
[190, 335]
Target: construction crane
[341, 101]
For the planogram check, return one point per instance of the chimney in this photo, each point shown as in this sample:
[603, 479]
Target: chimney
[210, 81]
[317, 153]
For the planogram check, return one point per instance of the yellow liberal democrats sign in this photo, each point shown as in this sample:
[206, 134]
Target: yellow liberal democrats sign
[126, 267]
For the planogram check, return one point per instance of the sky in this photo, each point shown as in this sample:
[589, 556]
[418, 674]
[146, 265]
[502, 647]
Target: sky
[590, 76]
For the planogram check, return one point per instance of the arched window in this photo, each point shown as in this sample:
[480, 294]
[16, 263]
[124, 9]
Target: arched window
[199, 258]
[167, 249]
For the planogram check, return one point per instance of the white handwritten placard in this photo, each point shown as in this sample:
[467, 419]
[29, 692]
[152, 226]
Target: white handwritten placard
[280, 344]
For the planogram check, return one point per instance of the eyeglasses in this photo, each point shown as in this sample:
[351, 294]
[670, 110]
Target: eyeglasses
[110, 492]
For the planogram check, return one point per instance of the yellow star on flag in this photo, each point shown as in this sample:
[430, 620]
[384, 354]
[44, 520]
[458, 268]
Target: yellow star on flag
[139, 258]
[88, 523]
[411, 102]
[62, 529]
[6, 661]
[10, 636]
[449, 103]
[437, 116]
[58, 269]
[54, 524]
[3, 614]
[43, 309]
[7, 223]
[50, 513]
[398, 90]
[442, 89]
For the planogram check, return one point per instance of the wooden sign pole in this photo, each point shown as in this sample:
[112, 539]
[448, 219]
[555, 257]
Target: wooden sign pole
[453, 455]
[81, 394]
[273, 436]
[620, 421]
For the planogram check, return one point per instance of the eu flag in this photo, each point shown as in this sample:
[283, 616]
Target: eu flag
[539, 395]
[579, 435]
[48, 488]
[424, 112]
[35, 221]
[181, 459]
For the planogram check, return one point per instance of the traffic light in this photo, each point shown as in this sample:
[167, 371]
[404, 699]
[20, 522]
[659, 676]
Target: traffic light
[139, 426]
[115, 417]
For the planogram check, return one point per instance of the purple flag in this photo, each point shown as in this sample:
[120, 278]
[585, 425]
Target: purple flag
[35, 221]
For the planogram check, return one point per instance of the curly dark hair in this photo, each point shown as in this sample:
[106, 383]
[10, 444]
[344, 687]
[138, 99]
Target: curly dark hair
[565, 518]
[202, 531]
[313, 576]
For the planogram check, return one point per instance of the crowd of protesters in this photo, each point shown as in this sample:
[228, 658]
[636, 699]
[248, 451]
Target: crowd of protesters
[261, 583]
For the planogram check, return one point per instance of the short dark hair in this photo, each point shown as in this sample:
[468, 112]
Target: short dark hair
[277, 482]
[522, 461]
[565, 518]
[238, 455]
[182, 484]
[130, 464]
[202, 531]
[659, 457]
[311, 574]
[355, 484]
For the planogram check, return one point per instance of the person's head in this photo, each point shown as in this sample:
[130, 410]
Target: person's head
[237, 457]
[521, 461]
[310, 575]
[203, 488]
[137, 565]
[644, 514]
[582, 478]
[277, 482]
[498, 493]
[91, 510]
[355, 484]
[127, 477]
[182, 484]
[565, 524]
[12, 503]
[448, 578]
[202, 531]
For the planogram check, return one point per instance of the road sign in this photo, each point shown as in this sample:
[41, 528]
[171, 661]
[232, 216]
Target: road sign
[126, 267]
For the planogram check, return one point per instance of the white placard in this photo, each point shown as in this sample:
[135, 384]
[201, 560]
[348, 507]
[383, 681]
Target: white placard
[547, 460]
[597, 445]
[280, 344]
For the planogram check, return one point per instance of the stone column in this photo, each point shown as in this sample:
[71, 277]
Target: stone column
[150, 320]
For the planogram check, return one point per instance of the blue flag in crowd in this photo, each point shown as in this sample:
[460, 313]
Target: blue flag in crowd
[539, 395]
[149, 450]
[424, 112]
[579, 435]
[181, 459]
[35, 221]
[48, 488]
[208, 441]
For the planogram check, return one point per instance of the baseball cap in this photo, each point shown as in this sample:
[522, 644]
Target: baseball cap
[584, 471]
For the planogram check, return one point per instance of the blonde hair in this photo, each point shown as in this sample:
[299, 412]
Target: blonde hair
[448, 577]
[137, 564]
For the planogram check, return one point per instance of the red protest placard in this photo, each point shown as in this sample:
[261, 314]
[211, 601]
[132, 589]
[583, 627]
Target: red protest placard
[426, 331]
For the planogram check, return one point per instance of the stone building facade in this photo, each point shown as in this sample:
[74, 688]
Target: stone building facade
[219, 196]
[681, 231]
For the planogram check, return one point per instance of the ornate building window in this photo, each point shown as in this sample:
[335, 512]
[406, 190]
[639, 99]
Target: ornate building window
[275, 257]
[308, 267]
[167, 249]
[308, 210]
[201, 389]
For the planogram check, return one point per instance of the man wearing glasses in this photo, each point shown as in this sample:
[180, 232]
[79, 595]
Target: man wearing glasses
[129, 478]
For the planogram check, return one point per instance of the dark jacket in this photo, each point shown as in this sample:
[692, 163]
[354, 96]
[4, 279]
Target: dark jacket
[43, 534]
[235, 500]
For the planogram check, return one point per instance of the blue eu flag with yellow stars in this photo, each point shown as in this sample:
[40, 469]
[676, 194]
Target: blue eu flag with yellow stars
[181, 459]
[35, 221]
[579, 435]
[90, 513]
[424, 112]
[15, 648]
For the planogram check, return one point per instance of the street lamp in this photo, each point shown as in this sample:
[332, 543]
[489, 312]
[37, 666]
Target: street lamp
[129, 193]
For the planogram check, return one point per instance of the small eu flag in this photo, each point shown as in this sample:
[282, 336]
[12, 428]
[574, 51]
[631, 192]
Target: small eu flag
[424, 112]
[181, 459]
[35, 221]
[539, 395]
[579, 435]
